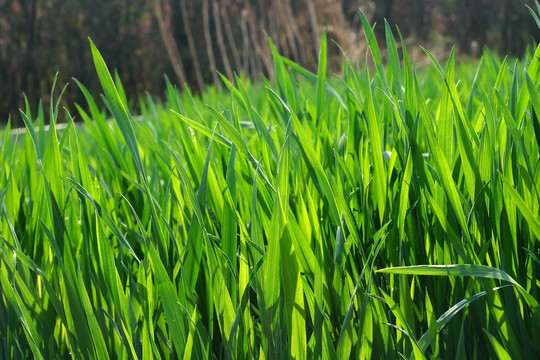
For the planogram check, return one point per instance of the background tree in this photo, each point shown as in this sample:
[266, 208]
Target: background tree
[192, 39]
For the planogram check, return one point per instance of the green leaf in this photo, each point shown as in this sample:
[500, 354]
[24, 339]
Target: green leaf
[321, 76]
[497, 347]
[481, 271]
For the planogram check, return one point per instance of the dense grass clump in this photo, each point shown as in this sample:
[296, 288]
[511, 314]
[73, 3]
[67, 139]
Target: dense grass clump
[380, 214]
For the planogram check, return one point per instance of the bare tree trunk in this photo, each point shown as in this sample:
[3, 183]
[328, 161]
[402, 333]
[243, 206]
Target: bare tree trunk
[295, 38]
[208, 40]
[191, 44]
[252, 31]
[220, 41]
[245, 43]
[168, 41]
[230, 39]
[273, 28]
[314, 25]
[263, 55]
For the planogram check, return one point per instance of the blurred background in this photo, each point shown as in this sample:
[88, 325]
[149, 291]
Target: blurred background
[190, 40]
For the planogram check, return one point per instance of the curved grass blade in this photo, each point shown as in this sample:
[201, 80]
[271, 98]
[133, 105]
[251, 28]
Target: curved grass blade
[481, 271]
[445, 318]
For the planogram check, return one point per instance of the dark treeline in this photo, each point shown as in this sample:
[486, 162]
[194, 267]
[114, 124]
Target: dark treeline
[190, 40]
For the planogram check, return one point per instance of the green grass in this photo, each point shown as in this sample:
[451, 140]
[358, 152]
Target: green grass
[379, 214]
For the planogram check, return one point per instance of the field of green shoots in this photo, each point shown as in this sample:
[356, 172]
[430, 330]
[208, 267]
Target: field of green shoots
[382, 213]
